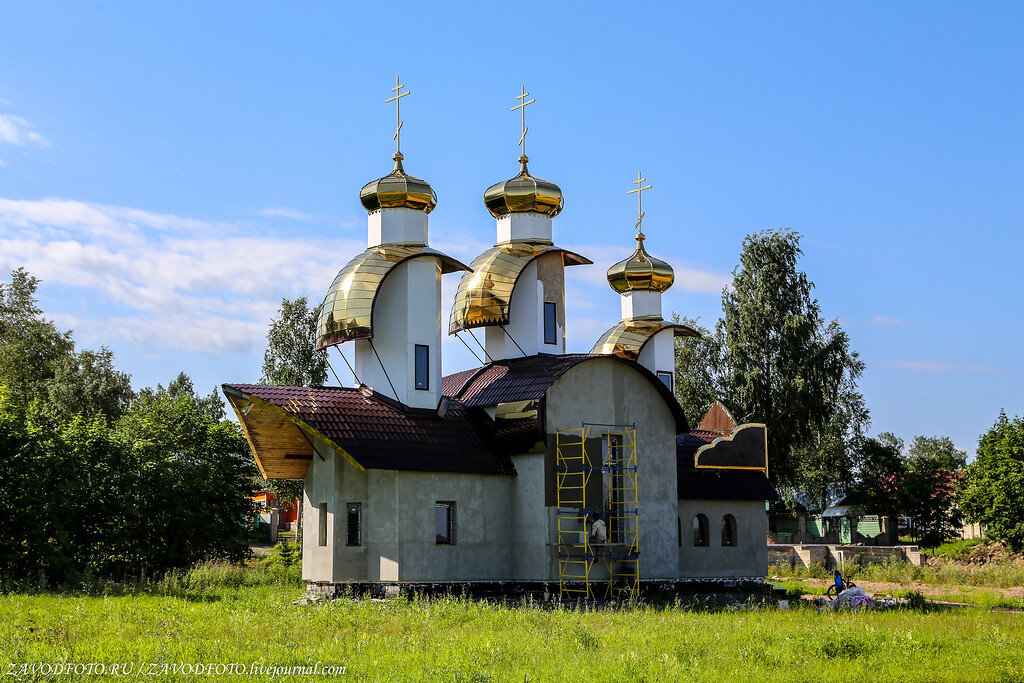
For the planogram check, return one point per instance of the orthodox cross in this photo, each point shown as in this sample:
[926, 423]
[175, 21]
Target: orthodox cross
[397, 99]
[523, 104]
[639, 191]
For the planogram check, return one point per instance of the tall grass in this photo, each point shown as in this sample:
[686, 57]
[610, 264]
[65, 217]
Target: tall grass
[459, 640]
[956, 549]
[202, 578]
[217, 575]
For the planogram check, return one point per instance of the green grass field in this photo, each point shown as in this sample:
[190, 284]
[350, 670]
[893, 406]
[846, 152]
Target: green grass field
[228, 616]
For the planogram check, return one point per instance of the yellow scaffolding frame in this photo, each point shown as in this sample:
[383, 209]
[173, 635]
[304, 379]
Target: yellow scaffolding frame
[616, 503]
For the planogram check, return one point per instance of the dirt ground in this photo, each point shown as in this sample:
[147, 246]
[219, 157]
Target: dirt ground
[937, 592]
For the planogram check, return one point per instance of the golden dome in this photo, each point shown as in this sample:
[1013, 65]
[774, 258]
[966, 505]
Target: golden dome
[641, 272]
[524, 194]
[398, 190]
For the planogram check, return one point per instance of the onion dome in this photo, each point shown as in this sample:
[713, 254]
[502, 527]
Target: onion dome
[398, 190]
[640, 272]
[524, 194]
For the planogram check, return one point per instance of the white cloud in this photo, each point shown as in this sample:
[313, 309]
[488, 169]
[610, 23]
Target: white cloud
[286, 212]
[164, 280]
[884, 321]
[161, 279]
[14, 130]
[937, 366]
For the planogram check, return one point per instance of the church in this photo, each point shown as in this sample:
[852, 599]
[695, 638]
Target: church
[578, 472]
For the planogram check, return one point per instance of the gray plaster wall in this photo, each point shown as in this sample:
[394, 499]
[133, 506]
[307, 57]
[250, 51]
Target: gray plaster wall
[749, 558]
[533, 524]
[483, 547]
[398, 541]
[607, 391]
[317, 560]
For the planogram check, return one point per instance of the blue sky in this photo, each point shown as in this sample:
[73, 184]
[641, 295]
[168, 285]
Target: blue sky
[171, 170]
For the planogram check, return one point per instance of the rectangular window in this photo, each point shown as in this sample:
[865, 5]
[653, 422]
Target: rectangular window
[322, 532]
[354, 530]
[666, 379]
[422, 366]
[550, 324]
[444, 523]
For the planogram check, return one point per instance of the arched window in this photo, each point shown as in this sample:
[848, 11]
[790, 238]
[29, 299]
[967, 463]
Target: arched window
[728, 531]
[700, 531]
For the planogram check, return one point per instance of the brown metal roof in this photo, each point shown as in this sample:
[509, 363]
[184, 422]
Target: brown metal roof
[452, 385]
[373, 432]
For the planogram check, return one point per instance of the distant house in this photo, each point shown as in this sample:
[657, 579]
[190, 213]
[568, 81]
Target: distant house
[289, 512]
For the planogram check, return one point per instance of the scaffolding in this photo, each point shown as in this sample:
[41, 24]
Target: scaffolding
[596, 479]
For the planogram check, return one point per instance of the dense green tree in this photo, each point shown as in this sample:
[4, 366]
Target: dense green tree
[775, 360]
[30, 345]
[164, 487]
[929, 490]
[195, 477]
[87, 383]
[291, 357]
[993, 488]
[880, 468]
[94, 480]
[181, 387]
[39, 362]
[698, 381]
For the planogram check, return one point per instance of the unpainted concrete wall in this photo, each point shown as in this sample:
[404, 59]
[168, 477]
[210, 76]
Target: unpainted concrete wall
[749, 557]
[533, 524]
[608, 391]
[317, 560]
[398, 541]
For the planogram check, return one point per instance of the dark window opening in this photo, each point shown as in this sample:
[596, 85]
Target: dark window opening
[550, 324]
[422, 366]
[679, 532]
[700, 531]
[728, 531]
[322, 526]
[354, 529]
[666, 378]
[444, 523]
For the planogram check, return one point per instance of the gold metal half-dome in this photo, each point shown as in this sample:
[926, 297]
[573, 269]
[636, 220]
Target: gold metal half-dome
[524, 194]
[398, 190]
[347, 311]
[628, 338]
[484, 296]
[641, 272]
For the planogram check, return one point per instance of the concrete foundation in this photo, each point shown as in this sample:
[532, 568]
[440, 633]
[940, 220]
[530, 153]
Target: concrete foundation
[831, 556]
[535, 591]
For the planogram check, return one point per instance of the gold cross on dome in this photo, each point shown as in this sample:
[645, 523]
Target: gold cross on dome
[397, 99]
[639, 191]
[523, 104]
